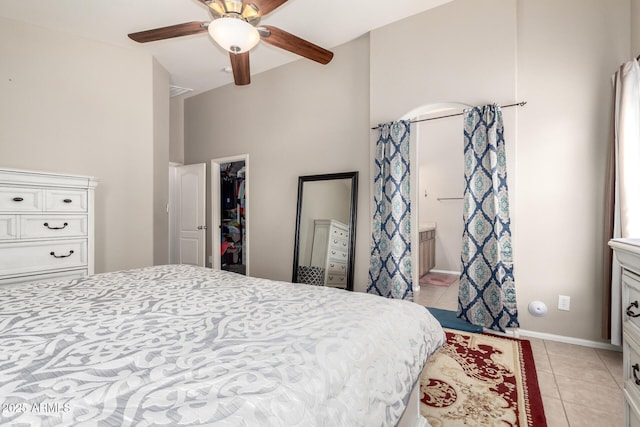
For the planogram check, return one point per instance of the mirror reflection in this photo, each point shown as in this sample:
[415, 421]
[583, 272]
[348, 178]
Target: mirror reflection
[325, 230]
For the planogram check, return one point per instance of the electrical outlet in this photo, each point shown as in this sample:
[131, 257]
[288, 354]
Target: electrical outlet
[564, 302]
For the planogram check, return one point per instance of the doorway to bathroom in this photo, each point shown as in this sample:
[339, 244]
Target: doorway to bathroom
[440, 182]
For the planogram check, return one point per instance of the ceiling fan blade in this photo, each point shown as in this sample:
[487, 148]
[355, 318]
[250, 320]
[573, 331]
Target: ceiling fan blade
[266, 6]
[287, 41]
[240, 66]
[171, 31]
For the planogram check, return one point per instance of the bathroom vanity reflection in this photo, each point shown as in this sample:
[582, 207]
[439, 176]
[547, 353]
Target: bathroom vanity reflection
[325, 230]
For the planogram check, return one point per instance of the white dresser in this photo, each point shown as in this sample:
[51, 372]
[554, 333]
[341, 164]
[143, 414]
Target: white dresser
[46, 226]
[628, 253]
[330, 251]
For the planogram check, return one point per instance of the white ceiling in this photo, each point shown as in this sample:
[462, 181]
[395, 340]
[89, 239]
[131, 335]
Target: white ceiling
[196, 62]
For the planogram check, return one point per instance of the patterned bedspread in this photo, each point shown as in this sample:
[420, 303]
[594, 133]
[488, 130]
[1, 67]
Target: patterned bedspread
[182, 345]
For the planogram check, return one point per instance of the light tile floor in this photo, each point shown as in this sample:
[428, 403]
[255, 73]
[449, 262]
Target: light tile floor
[580, 386]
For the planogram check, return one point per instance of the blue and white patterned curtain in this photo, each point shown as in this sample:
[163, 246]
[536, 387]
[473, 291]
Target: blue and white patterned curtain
[390, 267]
[487, 295]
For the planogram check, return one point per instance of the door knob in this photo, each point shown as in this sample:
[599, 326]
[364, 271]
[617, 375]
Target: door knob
[202, 227]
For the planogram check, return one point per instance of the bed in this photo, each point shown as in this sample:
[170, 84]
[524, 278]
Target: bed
[183, 345]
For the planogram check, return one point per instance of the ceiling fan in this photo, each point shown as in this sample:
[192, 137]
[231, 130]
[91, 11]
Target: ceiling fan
[234, 28]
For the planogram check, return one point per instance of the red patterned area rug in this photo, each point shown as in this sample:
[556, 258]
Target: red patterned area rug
[481, 380]
[438, 279]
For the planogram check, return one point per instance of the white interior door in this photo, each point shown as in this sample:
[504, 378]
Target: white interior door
[190, 214]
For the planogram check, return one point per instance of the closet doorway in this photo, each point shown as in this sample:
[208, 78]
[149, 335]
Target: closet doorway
[230, 213]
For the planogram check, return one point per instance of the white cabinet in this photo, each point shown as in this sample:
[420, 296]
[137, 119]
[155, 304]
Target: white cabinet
[330, 251]
[46, 226]
[628, 253]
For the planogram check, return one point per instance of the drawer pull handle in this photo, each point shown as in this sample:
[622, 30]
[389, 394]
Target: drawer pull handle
[46, 224]
[636, 368]
[18, 199]
[67, 200]
[630, 312]
[53, 254]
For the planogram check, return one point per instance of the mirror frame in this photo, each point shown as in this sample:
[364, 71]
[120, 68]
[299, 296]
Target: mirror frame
[353, 176]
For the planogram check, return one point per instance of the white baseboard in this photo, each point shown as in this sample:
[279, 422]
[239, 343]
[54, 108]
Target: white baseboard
[520, 333]
[511, 332]
[517, 333]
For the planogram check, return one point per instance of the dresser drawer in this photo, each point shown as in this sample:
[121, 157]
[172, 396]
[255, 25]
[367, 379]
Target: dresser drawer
[337, 255]
[339, 233]
[339, 280]
[339, 244]
[27, 257]
[631, 413]
[21, 199]
[51, 226]
[8, 227]
[66, 200]
[631, 303]
[48, 277]
[631, 358]
[631, 367]
[336, 267]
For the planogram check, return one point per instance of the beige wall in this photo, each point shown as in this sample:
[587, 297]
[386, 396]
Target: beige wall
[299, 119]
[559, 57]
[161, 138]
[567, 52]
[635, 28]
[76, 106]
[176, 131]
[441, 55]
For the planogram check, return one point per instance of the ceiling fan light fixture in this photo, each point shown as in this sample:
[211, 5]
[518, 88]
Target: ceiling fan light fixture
[216, 8]
[250, 11]
[233, 6]
[234, 34]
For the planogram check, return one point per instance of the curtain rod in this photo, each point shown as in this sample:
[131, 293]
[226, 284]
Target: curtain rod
[517, 104]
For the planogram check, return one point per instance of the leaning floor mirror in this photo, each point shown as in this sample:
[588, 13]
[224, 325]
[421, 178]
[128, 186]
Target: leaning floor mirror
[326, 230]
